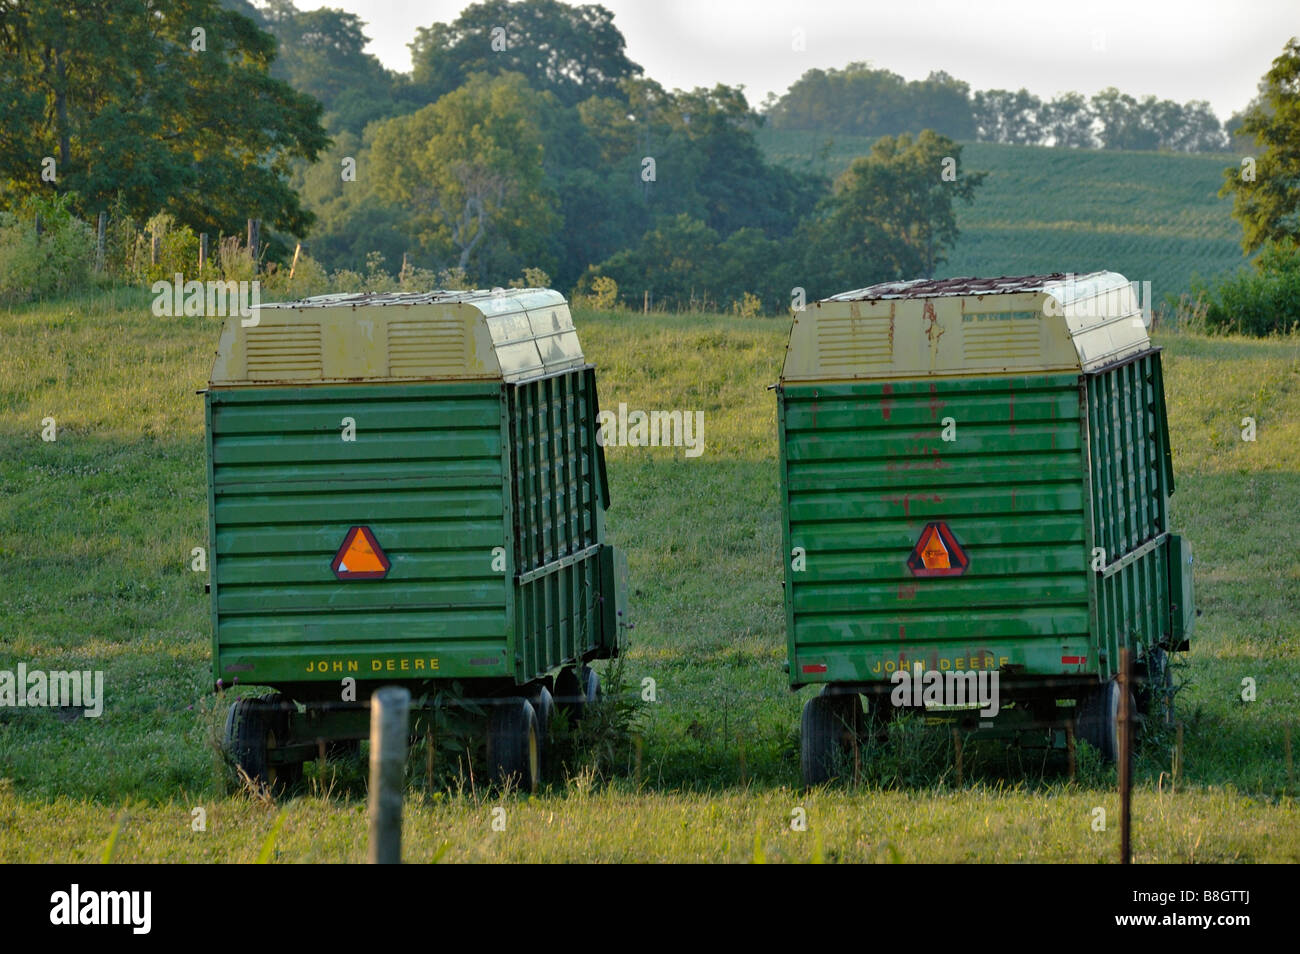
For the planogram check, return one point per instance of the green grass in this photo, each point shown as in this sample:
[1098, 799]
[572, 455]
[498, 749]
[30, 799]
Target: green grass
[1151, 216]
[96, 531]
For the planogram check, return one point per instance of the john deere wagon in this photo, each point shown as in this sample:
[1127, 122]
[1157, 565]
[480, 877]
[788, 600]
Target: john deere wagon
[975, 477]
[406, 489]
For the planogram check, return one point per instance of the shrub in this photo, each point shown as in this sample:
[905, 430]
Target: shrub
[1262, 301]
[377, 279]
[533, 278]
[604, 293]
[453, 279]
[60, 261]
[235, 261]
[1185, 313]
[178, 250]
[749, 306]
[309, 278]
[415, 279]
[347, 281]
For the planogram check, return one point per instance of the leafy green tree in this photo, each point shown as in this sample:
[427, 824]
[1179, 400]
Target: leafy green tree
[1267, 202]
[575, 52]
[131, 102]
[1068, 121]
[891, 215]
[351, 220]
[672, 261]
[695, 152]
[943, 103]
[469, 170]
[1199, 130]
[322, 54]
[1120, 124]
[864, 101]
[1004, 116]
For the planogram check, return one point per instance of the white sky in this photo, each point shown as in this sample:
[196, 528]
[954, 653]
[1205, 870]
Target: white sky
[1215, 50]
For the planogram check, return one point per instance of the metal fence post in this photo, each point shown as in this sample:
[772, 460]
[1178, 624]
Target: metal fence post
[390, 710]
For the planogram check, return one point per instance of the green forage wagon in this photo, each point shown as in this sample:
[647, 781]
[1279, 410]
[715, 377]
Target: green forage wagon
[406, 489]
[975, 477]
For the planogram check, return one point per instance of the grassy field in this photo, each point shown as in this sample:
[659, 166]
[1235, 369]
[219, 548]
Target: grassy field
[95, 536]
[1151, 216]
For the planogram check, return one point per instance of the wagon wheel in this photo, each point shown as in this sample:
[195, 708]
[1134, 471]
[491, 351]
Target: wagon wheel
[256, 727]
[829, 729]
[1098, 720]
[544, 706]
[514, 744]
[590, 686]
[569, 694]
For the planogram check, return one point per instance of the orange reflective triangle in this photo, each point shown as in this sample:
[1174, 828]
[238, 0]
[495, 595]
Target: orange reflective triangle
[937, 553]
[360, 557]
[933, 553]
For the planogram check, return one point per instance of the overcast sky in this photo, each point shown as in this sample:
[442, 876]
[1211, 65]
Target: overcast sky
[1215, 50]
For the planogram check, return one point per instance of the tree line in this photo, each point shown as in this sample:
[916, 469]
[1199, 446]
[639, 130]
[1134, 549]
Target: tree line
[859, 100]
[523, 141]
[523, 138]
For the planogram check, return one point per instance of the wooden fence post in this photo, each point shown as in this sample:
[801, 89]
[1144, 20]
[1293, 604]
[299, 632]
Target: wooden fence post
[154, 245]
[38, 225]
[254, 239]
[99, 241]
[390, 710]
[203, 250]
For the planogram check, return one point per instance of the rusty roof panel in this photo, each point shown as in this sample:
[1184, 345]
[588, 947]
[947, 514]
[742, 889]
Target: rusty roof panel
[508, 297]
[942, 287]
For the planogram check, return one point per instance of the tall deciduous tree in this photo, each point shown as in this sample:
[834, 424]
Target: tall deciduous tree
[1267, 201]
[575, 52]
[469, 170]
[322, 54]
[168, 104]
[1068, 121]
[1004, 116]
[892, 213]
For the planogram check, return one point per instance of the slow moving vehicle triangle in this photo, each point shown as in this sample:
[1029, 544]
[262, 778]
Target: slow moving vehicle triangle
[360, 557]
[937, 553]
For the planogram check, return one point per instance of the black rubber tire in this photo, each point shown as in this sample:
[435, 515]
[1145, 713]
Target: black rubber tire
[568, 694]
[1097, 721]
[828, 729]
[544, 707]
[590, 686]
[254, 727]
[514, 744]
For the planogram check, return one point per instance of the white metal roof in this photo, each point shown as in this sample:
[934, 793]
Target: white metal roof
[971, 326]
[504, 334]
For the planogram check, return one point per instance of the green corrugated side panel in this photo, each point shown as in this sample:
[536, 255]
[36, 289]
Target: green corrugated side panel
[1183, 611]
[212, 538]
[1131, 475]
[557, 530]
[866, 469]
[786, 544]
[425, 474]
